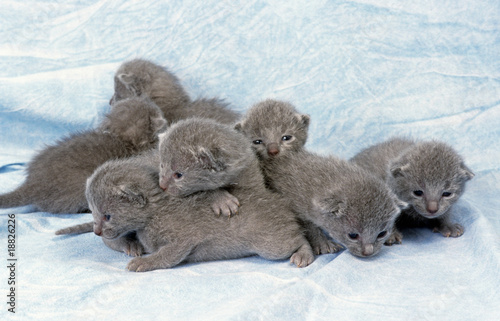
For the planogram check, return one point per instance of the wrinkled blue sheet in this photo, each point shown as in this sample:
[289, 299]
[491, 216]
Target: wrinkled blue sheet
[364, 70]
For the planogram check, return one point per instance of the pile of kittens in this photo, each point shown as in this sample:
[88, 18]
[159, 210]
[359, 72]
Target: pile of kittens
[187, 181]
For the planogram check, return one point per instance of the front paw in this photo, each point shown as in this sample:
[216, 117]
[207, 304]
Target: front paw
[226, 204]
[302, 259]
[134, 248]
[447, 230]
[395, 238]
[325, 246]
[142, 264]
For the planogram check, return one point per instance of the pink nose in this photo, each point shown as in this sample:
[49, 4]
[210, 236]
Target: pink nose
[272, 149]
[432, 207]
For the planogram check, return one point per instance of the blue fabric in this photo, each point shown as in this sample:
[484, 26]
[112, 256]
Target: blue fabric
[364, 70]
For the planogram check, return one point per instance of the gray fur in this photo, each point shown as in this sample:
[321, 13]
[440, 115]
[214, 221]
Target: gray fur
[142, 77]
[181, 229]
[431, 168]
[340, 198]
[56, 176]
[276, 129]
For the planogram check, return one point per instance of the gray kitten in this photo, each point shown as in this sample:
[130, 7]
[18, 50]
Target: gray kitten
[56, 176]
[124, 196]
[429, 175]
[350, 205]
[275, 128]
[142, 77]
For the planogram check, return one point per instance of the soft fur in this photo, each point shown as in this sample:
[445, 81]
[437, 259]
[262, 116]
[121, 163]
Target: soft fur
[56, 176]
[142, 77]
[125, 198]
[429, 175]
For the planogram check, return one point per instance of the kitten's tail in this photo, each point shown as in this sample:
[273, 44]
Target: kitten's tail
[18, 197]
[77, 229]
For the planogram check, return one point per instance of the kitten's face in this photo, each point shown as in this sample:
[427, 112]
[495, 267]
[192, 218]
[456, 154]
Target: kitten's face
[431, 179]
[198, 155]
[274, 129]
[362, 225]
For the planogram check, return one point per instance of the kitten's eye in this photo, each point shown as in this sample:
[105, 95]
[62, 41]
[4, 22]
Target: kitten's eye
[161, 165]
[286, 137]
[257, 142]
[418, 193]
[107, 217]
[177, 175]
[381, 234]
[353, 236]
[447, 194]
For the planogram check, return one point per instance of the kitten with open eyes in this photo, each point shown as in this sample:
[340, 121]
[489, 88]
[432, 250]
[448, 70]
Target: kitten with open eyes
[275, 128]
[142, 77]
[353, 207]
[429, 175]
[56, 175]
[125, 197]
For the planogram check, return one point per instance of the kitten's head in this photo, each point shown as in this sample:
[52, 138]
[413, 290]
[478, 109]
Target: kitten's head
[201, 154]
[142, 77]
[275, 128]
[119, 195]
[431, 177]
[136, 121]
[360, 214]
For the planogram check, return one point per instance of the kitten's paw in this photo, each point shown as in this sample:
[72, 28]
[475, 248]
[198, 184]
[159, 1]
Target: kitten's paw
[303, 256]
[302, 259]
[453, 230]
[134, 248]
[226, 204]
[142, 264]
[395, 238]
[325, 246]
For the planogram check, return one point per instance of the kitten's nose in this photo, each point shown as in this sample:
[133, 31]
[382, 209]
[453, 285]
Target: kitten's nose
[432, 207]
[272, 149]
[367, 249]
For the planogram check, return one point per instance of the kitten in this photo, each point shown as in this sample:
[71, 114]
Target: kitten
[275, 128]
[142, 77]
[125, 197]
[56, 176]
[429, 175]
[350, 205]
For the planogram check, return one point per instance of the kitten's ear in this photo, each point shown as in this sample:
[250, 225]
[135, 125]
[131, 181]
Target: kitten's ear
[157, 123]
[398, 170]
[332, 205]
[468, 174]
[126, 79]
[133, 195]
[210, 160]
[238, 127]
[304, 119]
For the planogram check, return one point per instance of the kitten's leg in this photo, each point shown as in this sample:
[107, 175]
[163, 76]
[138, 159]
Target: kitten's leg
[395, 238]
[281, 246]
[224, 203]
[320, 243]
[128, 244]
[166, 257]
[446, 227]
